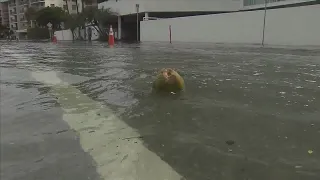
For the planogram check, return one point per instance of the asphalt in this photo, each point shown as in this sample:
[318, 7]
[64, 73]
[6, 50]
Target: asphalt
[35, 142]
[84, 111]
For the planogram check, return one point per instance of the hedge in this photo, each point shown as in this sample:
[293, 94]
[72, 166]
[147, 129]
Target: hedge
[38, 33]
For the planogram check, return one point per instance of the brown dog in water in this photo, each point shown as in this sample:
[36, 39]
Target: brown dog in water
[168, 80]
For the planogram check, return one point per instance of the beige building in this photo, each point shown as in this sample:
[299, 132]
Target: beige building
[4, 13]
[13, 11]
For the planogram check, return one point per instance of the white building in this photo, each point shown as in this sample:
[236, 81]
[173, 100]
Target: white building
[126, 7]
[221, 20]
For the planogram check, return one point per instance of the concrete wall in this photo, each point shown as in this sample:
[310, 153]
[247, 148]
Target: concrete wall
[288, 26]
[124, 7]
[294, 26]
[66, 35]
[61, 3]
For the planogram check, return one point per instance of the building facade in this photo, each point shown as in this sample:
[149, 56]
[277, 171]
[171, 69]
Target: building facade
[71, 5]
[126, 7]
[13, 11]
[4, 13]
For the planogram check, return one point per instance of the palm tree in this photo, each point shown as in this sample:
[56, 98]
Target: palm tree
[84, 24]
[79, 33]
[83, 2]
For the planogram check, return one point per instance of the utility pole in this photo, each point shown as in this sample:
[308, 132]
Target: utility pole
[137, 8]
[264, 21]
[49, 25]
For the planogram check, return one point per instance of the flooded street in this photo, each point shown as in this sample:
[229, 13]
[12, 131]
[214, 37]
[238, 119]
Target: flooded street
[85, 111]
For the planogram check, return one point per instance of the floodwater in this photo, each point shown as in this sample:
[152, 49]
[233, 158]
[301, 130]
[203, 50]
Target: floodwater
[248, 113]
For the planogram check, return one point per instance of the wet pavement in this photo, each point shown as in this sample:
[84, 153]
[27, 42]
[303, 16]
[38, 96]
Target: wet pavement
[85, 111]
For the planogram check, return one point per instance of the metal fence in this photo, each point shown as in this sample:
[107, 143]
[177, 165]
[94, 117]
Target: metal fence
[257, 2]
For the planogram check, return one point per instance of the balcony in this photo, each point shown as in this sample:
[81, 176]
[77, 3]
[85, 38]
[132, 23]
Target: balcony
[90, 4]
[13, 20]
[22, 18]
[22, 10]
[36, 1]
[14, 27]
[24, 2]
[13, 12]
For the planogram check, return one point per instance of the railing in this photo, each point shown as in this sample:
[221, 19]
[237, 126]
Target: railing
[257, 2]
[24, 3]
[11, 5]
[13, 12]
[23, 10]
[151, 18]
[36, 1]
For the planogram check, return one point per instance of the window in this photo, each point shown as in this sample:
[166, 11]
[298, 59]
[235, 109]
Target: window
[74, 7]
[51, 5]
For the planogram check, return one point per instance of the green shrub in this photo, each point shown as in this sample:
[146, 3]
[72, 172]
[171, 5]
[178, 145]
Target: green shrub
[38, 33]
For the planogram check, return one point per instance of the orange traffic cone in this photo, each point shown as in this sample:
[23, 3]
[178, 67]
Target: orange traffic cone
[111, 36]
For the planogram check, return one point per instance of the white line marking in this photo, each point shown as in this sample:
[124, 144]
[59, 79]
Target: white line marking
[101, 134]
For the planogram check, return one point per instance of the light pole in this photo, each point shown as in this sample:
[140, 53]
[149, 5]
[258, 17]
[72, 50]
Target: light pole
[264, 21]
[137, 8]
[50, 30]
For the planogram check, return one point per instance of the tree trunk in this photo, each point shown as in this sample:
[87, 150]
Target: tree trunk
[79, 33]
[72, 32]
[84, 24]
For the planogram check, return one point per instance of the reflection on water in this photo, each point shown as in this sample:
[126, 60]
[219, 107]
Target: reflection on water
[265, 101]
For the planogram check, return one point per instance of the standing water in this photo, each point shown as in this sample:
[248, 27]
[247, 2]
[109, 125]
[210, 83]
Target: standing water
[85, 111]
